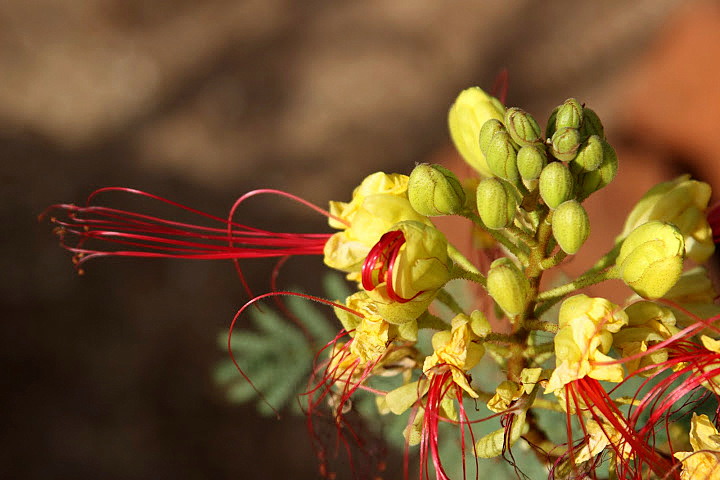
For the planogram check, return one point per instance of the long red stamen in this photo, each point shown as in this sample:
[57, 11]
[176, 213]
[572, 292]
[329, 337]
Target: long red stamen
[125, 233]
[379, 264]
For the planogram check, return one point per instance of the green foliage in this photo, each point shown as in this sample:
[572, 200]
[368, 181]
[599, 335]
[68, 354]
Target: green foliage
[278, 354]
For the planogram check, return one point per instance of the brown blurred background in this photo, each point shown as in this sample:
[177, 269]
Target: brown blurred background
[108, 375]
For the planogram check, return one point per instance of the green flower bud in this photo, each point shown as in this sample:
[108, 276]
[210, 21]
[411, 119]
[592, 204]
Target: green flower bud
[591, 124]
[590, 156]
[496, 202]
[565, 143]
[472, 108]
[570, 226]
[556, 184]
[530, 162]
[551, 124]
[488, 131]
[569, 115]
[590, 182]
[522, 127]
[508, 286]
[502, 158]
[479, 324]
[651, 259]
[434, 190]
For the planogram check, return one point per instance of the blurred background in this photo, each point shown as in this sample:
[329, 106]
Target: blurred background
[108, 375]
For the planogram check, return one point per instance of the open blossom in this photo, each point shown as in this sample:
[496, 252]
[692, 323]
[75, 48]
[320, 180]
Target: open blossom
[377, 204]
[584, 339]
[703, 462]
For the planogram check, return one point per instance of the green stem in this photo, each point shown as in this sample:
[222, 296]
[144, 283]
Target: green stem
[498, 236]
[521, 235]
[446, 299]
[464, 268]
[607, 259]
[535, 350]
[553, 261]
[580, 282]
[532, 324]
[428, 320]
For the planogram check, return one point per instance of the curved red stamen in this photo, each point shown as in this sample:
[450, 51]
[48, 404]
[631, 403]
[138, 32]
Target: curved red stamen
[500, 86]
[97, 231]
[380, 262]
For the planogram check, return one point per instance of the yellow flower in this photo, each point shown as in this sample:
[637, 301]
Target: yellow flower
[404, 271]
[702, 462]
[681, 202]
[472, 108]
[695, 293]
[378, 203]
[456, 350]
[598, 440]
[649, 323]
[583, 340]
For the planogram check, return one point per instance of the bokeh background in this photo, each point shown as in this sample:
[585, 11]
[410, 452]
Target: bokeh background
[108, 375]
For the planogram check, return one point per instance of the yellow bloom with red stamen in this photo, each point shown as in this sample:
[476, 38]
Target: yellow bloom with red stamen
[599, 437]
[457, 350]
[702, 462]
[404, 271]
[583, 340]
[649, 323]
[681, 202]
[379, 202]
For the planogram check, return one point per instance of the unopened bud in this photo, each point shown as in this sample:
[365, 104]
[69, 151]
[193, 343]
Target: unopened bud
[488, 131]
[522, 127]
[651, 259]
[591, 124]
[479, 324]
[590, 182]
[530, 162]
[496, 202]
[556, 184]
[565, 143]
[508, 286]
[569, 115]
[434, 190]
[550, 128]
[570, 226]
[590, 156]
[502, 158]
[472, 108]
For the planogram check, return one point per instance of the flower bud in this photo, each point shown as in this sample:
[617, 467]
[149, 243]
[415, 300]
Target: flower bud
[591, 124]
[508, 286]
[551, 127]
[496, 202]
[570, 226]
[569, 115]
[651, 259]
[590, 182]
[434, 190]
[522, 127]
[488, 131]
[502, 158]
[556, 184]
[530, 162]
[565, 143]
[681, 202]
[479, 324]
[590, 156]
[472, 108]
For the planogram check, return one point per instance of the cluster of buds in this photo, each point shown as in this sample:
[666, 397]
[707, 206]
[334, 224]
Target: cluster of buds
[529, 199]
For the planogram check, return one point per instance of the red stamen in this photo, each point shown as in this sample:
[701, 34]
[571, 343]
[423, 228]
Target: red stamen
[380, 262]
[500, 87]
[125, 233]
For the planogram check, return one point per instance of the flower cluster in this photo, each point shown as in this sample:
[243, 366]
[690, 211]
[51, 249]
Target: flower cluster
[661, 343]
